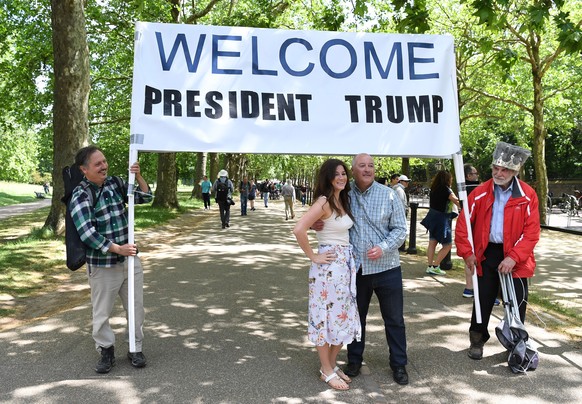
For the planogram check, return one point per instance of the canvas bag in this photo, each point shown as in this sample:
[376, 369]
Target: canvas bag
[512, 334]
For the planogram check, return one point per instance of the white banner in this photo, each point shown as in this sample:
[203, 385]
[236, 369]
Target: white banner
[250, 90]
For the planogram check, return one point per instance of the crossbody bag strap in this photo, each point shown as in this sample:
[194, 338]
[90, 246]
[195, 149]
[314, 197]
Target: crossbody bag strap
[372, 224]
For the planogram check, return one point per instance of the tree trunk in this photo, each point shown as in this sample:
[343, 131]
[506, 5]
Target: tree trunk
[406, 166]
[214, 162]
[71, 96]
[539, 146]
[167, 185]
[199, 172]
[228, 165]
[236, 168]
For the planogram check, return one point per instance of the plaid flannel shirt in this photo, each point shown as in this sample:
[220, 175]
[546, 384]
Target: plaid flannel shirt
[105, 223]
[379, 220]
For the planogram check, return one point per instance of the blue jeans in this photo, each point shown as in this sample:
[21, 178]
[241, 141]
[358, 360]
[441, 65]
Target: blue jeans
[266, 198]
[388, 288]
[243, 204]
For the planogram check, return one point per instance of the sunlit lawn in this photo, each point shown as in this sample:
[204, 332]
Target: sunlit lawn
[12, 193]
[31, 262]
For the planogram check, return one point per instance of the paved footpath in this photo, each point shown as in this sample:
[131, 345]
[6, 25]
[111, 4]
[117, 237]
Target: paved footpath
[226, 323]
[15, 210]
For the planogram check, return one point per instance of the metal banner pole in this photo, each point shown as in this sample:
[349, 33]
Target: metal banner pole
[131, 260]
[460, 176]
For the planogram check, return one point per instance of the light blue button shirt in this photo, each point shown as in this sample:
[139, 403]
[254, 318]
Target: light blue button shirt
[379, 220]
[501, 198]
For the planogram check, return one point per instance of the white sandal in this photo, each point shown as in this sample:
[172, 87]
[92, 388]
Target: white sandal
[342, 375]
[331, 377]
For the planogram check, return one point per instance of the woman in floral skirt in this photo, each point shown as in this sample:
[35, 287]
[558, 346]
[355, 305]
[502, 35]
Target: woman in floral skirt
[333, 313]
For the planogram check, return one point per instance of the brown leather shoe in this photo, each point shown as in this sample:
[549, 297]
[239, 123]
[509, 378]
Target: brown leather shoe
[476, 348]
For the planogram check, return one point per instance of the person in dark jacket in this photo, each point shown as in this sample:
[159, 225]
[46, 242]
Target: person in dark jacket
[223, 190]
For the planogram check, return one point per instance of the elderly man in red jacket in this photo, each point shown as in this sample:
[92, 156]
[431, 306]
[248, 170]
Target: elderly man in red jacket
[505, 225]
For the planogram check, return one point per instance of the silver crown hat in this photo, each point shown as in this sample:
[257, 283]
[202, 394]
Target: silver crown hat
[222, 173]
[510, 156]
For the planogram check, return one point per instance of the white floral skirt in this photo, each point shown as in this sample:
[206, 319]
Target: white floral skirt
[333, 311]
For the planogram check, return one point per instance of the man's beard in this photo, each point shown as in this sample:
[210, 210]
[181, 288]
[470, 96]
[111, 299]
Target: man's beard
[504, 182]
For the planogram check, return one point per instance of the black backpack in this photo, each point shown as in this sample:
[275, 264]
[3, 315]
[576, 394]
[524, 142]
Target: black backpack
[76, 249]
[221, 191]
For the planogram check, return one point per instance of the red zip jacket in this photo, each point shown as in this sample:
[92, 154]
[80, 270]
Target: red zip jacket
[521, 226]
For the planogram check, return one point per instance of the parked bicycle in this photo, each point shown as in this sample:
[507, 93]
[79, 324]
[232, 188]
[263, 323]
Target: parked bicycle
[549, 204]
[569, 205]
[419, 191]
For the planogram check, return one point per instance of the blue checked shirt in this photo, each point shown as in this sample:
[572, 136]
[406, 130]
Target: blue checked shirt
[105, 224]
[379, 220]
[501, 198]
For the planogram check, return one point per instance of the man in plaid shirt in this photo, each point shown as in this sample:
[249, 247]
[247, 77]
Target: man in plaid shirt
[99, 213]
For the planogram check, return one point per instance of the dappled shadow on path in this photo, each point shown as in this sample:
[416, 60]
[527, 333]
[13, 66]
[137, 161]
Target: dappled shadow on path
[226, 323]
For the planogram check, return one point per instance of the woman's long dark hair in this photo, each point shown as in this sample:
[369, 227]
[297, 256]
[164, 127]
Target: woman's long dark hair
[324, 186]
[441, 180]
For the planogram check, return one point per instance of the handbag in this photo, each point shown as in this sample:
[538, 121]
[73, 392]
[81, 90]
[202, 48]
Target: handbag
[452, 210]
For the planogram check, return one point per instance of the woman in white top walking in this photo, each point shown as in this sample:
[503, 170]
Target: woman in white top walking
[333, 313]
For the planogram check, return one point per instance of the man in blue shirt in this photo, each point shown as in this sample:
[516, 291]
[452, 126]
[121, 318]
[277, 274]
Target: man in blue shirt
[206, 186]
[379, 229]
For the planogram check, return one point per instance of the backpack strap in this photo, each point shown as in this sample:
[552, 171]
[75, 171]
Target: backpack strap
[120, 187]
[91, 192]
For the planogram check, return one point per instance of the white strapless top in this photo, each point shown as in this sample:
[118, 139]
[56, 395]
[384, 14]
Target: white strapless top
[335, 230]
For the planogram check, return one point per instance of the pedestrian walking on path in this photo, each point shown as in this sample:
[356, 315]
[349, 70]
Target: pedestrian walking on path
[438, 221]
[288, 192]
[223, 190]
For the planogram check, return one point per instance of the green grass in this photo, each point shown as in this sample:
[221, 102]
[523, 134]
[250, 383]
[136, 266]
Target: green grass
[12, 193]
[28, 265]
[541, 300]
[32, 260]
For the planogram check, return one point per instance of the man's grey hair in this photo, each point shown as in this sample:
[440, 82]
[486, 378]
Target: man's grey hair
[358, 155]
